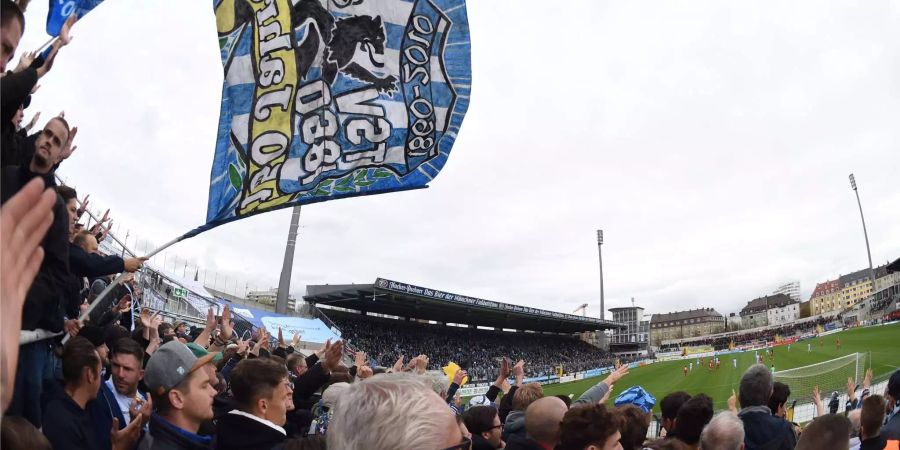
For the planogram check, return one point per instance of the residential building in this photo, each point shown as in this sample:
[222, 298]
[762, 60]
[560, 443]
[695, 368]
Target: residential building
[855, 287]
[791, 289]
[769, 310]
[682, 324]
[635, 337]
[826, 297]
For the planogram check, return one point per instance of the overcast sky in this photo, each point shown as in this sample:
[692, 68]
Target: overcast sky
[711, 141]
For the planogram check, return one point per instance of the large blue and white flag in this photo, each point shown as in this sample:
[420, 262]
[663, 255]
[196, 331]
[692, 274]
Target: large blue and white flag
[60, 10]
[326, 99]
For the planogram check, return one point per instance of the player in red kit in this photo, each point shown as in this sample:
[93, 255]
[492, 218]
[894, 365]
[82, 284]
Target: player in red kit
[685, 370]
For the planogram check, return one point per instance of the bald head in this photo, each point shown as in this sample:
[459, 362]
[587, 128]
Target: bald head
[542, 419]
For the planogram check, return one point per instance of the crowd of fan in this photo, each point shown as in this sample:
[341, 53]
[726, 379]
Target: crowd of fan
[739, 338]
[473, 349]
[122, 383]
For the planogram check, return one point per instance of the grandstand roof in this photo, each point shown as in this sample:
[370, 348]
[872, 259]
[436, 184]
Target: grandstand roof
[894, 266]
[702, 313]
[767, 302]
[406, 300]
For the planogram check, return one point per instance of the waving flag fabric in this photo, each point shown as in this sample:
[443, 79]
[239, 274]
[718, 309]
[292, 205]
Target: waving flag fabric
[60, 10]
[331, 99]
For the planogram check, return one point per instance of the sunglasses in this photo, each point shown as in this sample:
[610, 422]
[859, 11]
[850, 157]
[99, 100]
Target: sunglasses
[466, 444]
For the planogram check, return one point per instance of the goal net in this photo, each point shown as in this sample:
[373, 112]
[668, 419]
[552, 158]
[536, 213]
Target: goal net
[831, 376]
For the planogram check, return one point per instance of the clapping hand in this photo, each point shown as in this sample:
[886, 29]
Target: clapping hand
[359, 359]
[398, 366]
[333, 354]
[459, 376]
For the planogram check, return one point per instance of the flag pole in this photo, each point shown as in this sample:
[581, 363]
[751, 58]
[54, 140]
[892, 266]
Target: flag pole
[115, 283]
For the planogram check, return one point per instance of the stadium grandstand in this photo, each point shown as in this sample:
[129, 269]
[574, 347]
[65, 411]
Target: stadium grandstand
[388, 319]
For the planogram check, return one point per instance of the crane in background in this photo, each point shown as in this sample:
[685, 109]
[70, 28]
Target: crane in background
[582, 308]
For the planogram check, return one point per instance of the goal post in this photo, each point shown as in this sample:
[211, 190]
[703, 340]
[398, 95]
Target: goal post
[831, 376]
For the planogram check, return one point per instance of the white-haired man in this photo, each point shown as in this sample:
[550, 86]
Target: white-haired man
[724, 432]
[393, 412]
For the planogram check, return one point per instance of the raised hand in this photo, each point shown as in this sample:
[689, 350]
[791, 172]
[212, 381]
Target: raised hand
[281, 343]
[125, 438]
[210, 320]
[33, 121]
[64, 37]
[459, 376]
[851, 389]
[332, 357]
[228, 325]
[817, 400]
[422, 364]
[359, 359]
[68, 149]
[616, 375]
[504, 369]
[320, 352]
[732, 402]
[124, 304]
[398, 366]
[363, 372]
[25, 61]
[295, 342]
[867, 381]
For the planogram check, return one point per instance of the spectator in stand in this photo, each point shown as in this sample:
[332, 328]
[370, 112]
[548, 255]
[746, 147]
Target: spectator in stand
[891, 429]
[261, 391]
[762, 430]
[778, 399]
[85, 261]
[484, 424]
[118, 397]
[829, 432]
[724, 432]
[669, 407]
[542, 419]
[42, 313]
[590, 427]
[871, 420]
[523, 397]
[692, 417]
[181, 386]
[393, 412]
[635, 423]
[67, 424]
[11, 29]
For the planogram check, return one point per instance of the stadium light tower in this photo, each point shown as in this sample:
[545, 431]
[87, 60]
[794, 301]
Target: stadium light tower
[284, 284]
[600, 253]
[865, 233]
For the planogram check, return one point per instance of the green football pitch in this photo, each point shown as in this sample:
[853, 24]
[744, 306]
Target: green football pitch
[881, 343]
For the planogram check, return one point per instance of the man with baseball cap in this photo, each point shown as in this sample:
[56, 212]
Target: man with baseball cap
[181, 385]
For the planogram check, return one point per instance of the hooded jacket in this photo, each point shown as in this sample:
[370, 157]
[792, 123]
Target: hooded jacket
[165, 436]
[515, 425]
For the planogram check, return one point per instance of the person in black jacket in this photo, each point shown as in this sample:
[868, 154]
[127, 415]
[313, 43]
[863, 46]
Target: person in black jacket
[261, 391]
[45, 304]
[762, 430]
[86, 262]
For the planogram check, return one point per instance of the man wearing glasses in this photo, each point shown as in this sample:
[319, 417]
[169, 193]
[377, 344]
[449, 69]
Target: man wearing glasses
[484, 424]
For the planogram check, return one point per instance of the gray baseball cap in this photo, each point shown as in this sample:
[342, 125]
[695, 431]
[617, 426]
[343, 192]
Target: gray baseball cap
[171, 364]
